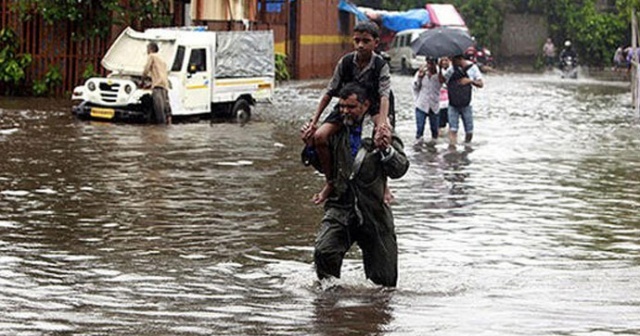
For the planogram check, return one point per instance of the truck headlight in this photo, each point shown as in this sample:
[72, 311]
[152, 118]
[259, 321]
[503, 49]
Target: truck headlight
[127, 89]
[91, 86]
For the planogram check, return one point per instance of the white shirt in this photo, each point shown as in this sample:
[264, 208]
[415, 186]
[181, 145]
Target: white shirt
[473, 72]
[426, 92]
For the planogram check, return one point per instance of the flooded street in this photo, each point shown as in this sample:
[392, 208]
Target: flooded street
[199, 229]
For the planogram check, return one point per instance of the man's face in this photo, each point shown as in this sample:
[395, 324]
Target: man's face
[352, 110]
[445, 62]
[457, 61]
[364, 43]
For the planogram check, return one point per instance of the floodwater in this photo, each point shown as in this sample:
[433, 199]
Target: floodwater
[207, 229]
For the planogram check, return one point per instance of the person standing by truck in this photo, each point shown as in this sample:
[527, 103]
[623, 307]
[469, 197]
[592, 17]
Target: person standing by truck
[156, 69]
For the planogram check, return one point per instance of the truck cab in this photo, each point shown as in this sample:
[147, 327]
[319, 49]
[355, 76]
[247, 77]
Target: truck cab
[210, 73]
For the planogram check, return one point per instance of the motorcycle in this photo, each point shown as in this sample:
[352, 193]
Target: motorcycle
[569, 67]
[481, 56]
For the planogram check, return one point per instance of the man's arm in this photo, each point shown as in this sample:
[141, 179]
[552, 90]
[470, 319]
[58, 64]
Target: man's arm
[146, 71]
[417, 79]
[444, 76]
[475, 77]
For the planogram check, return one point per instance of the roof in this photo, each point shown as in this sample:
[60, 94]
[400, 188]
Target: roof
[445, 15]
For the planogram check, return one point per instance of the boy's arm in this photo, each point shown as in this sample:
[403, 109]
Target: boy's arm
[331, 91]
[384, 89]
[324, 102]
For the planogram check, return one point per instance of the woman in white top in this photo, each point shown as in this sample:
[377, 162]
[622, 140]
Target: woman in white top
[426, 93]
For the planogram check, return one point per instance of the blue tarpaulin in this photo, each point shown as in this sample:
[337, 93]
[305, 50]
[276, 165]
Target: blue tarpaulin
[351, 8]
[396, 21]
[399, 21]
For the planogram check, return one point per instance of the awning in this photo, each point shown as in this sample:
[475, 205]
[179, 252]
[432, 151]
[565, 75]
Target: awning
[399, 21]
[396, 21]
[353, 9]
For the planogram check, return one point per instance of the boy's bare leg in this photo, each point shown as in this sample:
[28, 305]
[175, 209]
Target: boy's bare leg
[388, 195]
[321, 143]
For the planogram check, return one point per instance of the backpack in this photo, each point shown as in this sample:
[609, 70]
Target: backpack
[347, 75]
[459, 95]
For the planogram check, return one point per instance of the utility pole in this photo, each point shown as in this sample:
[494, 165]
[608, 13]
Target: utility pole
[634, 61]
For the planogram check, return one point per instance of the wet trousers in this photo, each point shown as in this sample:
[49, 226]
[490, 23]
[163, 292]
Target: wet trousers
[379, 250]
[161, 107]
[434, 123]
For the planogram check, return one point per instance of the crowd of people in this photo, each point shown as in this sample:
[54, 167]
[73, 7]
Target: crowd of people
[357, 163]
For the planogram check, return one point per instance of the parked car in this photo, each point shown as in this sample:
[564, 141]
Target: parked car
[401, 56]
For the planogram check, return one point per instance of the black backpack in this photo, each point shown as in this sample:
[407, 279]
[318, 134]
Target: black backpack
[459, 95]
[347, 75]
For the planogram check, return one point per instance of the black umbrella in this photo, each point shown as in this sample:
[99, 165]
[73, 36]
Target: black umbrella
[442, 41]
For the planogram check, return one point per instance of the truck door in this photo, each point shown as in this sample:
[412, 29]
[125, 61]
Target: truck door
[198, 81]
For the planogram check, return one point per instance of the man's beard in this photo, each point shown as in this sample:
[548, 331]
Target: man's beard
[350, 121]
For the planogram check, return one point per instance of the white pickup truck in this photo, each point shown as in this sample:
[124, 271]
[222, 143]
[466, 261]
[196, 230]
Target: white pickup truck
[210, 72]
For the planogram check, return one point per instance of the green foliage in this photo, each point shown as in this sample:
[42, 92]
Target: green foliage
[95, 16]
[52, 79]
[89, 71]
[282, 72]
[12, 65]
[485, 20]
[39, 88]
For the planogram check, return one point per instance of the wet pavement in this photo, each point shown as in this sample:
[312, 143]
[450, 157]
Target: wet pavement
[207, 229]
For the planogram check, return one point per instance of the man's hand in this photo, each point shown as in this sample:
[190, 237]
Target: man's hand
[382, 138]
[307, 131]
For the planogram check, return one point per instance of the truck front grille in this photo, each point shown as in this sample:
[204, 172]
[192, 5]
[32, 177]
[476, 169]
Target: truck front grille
[109, 93]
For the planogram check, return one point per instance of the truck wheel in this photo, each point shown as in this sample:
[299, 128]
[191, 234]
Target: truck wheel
[241, 111]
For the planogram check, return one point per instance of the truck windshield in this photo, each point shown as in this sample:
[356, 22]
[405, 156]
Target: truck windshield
[178, 60]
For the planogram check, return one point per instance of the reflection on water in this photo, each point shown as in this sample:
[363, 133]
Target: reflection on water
[208, 229]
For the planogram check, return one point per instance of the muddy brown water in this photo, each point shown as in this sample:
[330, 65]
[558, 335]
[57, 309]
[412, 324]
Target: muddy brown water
[199, 229]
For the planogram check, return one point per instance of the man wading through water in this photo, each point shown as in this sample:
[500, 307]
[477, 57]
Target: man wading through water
[356, 212]
[459, 79]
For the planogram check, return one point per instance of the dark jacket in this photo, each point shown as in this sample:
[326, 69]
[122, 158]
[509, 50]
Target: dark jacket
[360, 183]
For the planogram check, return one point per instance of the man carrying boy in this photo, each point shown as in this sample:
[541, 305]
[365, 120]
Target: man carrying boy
[371, 71]
[355, 212]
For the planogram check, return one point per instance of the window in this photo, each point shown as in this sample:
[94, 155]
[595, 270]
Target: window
[178, 60]
[198, 60]
[403, 42]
